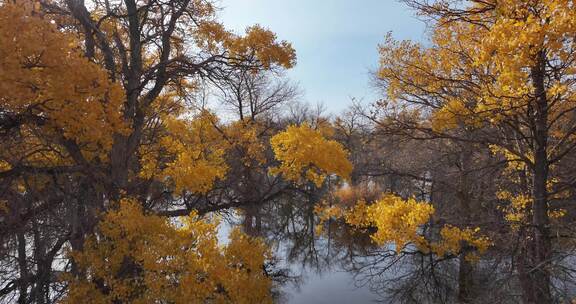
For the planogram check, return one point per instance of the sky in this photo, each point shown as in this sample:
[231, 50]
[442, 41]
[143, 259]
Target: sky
[336, 41]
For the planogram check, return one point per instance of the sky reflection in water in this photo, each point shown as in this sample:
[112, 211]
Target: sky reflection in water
[318, 263]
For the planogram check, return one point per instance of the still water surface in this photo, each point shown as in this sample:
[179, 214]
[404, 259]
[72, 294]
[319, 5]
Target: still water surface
[316, 264]
[333, 286]
[342, 265]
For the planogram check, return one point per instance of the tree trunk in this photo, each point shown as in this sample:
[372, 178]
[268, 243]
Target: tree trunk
[539, 244]
[466, 269]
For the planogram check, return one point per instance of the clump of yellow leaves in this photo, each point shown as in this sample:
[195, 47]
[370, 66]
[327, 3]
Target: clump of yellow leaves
[523, 28]
[452, 238]
[454, 113]
[262, 43]
[518, 212]
[199, 153]
[257, 41]
[245, 138]
[306, 155]
[46, 79]
[194, 153]
[190, 154]
[400, 222]
[514, 162]
[495, 55]
[140, 258]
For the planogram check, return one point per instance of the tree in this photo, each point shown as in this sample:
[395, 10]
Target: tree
[137, 258]
[95, 112]
[401, 223]
[515, 92]
[306, 155]
[251, 95]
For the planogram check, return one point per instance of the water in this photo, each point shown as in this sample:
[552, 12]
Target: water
[316, 265]
[342, 265]
[334, 286]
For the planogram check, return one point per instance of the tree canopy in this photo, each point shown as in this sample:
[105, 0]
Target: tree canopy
[128, 127]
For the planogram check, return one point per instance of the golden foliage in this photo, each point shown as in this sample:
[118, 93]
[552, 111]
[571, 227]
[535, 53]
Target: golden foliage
[190, 155]
[246, 138]
[139, 258]
[257, 41]
[478, 72]
[194, 152]
[517, 213]
[46, 79]
[63, 101]
[199, 153]
[452, 238]
[306, 155]
[401, 222]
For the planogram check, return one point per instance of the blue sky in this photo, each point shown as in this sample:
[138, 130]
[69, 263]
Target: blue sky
[336, 41]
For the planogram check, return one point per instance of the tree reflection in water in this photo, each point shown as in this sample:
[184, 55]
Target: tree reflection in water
[288, 224]
[379, 273]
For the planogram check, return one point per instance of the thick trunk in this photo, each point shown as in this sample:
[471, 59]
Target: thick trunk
[539, 244]
[540, 249]
[119, 165]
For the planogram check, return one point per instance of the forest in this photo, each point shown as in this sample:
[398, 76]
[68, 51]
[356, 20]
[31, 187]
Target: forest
[150, 154]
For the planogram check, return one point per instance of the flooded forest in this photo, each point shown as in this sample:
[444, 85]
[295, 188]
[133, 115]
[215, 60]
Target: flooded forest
[151, 154]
